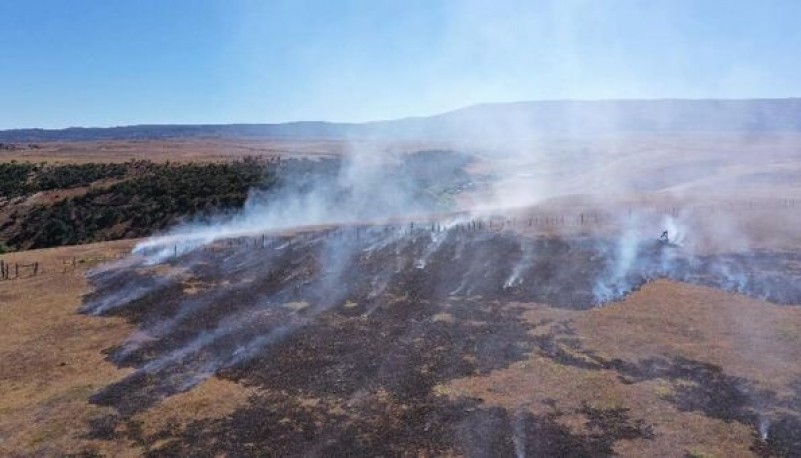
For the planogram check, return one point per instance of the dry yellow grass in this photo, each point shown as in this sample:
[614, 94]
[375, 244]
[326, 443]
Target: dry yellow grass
[51, 358]
[745, 337]
[197, 149]
[52, 361]
[213, 398]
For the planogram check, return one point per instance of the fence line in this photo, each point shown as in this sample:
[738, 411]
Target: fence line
[13, 271]
[17, 270]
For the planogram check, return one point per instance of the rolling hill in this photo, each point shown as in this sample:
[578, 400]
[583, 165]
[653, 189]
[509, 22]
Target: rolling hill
[521, 119]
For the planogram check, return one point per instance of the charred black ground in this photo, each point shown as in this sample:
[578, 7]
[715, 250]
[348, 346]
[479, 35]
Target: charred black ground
[366, 321]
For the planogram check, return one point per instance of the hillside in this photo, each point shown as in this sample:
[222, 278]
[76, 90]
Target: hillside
[417, 297]
[53, 204]
[394, 341]
[45, 205]
[524, 119]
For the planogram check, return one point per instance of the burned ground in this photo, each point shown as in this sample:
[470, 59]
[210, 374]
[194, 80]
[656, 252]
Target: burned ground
[347, 333]
[386, 428]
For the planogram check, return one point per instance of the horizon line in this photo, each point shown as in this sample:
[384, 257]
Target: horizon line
[402, 118]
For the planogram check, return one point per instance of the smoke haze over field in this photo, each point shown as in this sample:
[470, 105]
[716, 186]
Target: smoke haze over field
[442, 250]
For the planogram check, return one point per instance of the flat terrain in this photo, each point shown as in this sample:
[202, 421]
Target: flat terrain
[163, 150]
[191, 150]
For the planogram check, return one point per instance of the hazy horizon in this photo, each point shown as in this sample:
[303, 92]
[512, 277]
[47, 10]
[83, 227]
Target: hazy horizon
[413, 116]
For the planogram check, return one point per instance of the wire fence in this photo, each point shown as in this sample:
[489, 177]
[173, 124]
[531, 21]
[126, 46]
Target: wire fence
[17, 270]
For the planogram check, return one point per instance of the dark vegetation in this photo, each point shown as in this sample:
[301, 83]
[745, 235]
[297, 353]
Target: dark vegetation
[419, 182]
[24, 178]
[138, 198]
[142, 198]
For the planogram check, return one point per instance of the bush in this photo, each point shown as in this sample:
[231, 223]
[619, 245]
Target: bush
[152, 197]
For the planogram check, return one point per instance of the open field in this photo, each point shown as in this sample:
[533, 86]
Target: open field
[530, 229]
[554, 325]
[192, 150]
[713, 163]
[437, 360]
[52, 360]
[165, 150]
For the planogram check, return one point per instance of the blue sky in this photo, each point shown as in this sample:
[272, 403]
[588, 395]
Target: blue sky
[100, 63]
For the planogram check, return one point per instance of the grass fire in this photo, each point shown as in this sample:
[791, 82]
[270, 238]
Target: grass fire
[526, 229]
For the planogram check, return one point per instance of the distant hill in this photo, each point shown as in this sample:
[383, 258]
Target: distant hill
[519, 119]
[163, 131]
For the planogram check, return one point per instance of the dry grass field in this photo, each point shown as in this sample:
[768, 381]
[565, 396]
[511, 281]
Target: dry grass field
[659, 373]
[677, 366]
[52, 360]
[698, 330]
[195, 150]
[167, 150]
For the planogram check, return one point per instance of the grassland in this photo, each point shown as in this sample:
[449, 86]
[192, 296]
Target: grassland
[662, 364]
[673, 369]
[52, 360]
